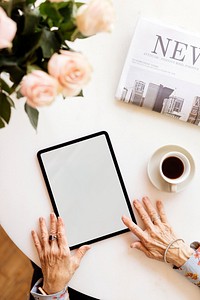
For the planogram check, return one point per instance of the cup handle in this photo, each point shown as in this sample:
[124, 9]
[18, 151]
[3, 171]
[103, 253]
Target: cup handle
[173, 188]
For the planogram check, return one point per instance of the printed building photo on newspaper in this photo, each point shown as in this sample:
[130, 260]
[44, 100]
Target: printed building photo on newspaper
[162, 71]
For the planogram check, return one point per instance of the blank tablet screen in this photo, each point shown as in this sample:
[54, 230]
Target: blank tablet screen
[86, 188]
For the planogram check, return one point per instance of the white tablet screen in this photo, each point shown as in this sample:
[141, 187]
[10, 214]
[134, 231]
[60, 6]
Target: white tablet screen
[86, 188]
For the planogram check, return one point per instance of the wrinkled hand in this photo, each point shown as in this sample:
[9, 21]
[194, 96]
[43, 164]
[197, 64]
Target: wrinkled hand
[57, 263]
[157, 234]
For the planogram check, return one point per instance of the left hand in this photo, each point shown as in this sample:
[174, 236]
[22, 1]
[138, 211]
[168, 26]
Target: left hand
[158, 234]
[57, 263]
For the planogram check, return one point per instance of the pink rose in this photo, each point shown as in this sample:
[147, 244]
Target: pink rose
[8, 30]
[96, 16]
[72, 71]
[39, 88]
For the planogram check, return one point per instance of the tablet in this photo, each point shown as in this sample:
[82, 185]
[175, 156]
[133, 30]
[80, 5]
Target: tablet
[86, 188]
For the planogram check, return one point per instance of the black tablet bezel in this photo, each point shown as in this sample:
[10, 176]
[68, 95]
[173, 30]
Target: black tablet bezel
[48, 186]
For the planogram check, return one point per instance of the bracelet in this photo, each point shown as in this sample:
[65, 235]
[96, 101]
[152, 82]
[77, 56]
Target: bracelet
[168, 247]
[42, 291]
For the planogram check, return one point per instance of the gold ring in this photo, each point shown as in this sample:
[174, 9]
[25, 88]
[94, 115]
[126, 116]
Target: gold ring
[155, 219]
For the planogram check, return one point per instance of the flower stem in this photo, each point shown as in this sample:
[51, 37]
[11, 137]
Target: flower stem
[75, 34]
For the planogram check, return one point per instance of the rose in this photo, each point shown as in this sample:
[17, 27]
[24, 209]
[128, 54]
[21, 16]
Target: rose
[96, 16]
[72, 71]
[8, 30]
[39, 88]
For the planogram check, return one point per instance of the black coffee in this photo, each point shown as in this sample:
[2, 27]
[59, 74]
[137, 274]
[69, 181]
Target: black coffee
[172, 167]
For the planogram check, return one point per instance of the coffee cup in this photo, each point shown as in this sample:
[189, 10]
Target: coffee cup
[174, 169]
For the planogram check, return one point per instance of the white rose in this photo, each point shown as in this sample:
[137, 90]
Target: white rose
[39, 88]
[8, 30]
[72, 71]
[95, 16]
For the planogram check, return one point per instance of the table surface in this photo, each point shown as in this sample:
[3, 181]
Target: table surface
[110, 270]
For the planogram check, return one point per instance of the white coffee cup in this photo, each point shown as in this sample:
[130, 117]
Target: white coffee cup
[174, 169]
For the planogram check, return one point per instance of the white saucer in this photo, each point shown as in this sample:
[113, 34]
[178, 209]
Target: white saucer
[153, 168]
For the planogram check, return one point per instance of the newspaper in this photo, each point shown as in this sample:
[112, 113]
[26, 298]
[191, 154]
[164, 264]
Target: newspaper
[162, 71]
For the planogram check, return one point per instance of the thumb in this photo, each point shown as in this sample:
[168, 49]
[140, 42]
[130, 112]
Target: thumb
[81, 252]
[138, 245]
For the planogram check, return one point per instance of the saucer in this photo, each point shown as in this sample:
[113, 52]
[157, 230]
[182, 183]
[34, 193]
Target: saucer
[153, 168]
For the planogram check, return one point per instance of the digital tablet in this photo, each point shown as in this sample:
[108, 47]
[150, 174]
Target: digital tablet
[86, 188]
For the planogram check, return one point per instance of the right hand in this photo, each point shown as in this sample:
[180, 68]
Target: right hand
[57, 263]
[157, 235]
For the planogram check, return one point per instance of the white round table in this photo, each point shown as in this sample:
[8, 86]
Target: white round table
[110, 270]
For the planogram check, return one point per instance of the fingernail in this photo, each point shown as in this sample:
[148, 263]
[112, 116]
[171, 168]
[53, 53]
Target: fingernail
[145, 197]
[60, 220]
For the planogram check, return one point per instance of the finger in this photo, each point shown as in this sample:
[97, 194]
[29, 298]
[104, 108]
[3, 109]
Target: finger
[36, 241]
[62, 239]
[53, 231]
[138, 245]
[44, 232]
[143, 214]
[133, 227]
[154, 216]
[161, 211]
[80, 253]
[53, 224]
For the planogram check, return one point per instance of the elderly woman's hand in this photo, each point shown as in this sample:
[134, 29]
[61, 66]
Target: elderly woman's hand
[158, 234]
[57, 263]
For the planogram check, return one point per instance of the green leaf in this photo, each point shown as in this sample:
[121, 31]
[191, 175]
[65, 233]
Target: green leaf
[16, 74]
[4, 86]
[78, 4]
[30, 1]
[33, 115]
[49, 44]
[67, 31]
[5, 109]
[76, 35]
[15, 71]
[2, 124]
[19, 95]
[11, 102]
[14, 88]
[56, 14]
[31, 22]
[67, 11]
[50, 12]
[80, 94]
[30, 43]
